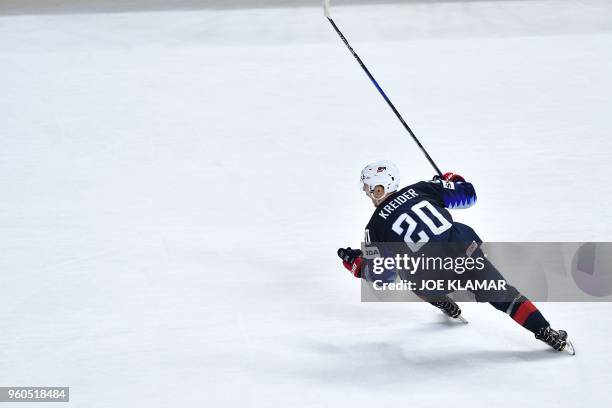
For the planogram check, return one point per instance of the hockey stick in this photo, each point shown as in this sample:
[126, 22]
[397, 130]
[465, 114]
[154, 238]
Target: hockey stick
[384, 95]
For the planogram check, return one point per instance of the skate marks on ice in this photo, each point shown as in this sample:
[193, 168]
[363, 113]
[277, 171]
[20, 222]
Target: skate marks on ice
[388, 354]
[386, 360]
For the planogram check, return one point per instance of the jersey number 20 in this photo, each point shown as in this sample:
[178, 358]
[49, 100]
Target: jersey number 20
[412, 224]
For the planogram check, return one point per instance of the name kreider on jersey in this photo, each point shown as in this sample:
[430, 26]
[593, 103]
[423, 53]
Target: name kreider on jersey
[396, 202]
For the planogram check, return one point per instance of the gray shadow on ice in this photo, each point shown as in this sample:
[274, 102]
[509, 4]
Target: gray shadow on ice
[441, 322]
[385, 363]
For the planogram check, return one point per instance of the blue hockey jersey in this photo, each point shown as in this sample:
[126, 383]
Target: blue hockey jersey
[418, 213]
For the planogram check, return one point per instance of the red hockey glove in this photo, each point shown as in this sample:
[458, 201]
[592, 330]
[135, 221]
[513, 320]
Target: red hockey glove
[352, 260]
[450, 176]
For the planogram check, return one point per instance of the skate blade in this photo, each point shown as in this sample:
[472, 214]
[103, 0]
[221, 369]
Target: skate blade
[459, 319]
[569, 348]
[462, 320]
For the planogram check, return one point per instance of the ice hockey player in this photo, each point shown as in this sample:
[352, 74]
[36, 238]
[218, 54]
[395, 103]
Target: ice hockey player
[405, 220]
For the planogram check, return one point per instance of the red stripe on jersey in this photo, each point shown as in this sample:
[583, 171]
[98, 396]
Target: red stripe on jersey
[524, 311]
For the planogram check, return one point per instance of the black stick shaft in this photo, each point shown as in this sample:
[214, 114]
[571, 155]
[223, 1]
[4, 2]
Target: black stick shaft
[384, 95]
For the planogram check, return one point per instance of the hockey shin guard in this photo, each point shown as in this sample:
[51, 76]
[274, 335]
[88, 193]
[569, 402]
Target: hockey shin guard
[523, 312]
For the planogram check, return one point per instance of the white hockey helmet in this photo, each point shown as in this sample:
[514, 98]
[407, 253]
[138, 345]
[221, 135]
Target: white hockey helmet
[381, 173]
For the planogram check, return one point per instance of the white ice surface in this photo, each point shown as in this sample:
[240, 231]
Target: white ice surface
[174, 186]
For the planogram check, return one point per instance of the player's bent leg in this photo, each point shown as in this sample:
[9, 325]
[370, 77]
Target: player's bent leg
[523, 312]
[510, 301]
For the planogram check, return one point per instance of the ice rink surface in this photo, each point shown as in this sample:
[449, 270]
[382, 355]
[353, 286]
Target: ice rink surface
[174, 185]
